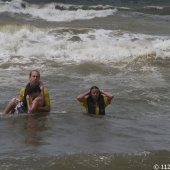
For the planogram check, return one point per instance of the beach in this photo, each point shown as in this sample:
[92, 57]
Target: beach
[121, 47]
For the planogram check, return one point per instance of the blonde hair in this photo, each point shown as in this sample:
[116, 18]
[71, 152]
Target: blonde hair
[34, 71]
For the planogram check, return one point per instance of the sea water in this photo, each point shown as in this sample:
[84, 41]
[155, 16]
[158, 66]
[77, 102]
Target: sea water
[122, 47]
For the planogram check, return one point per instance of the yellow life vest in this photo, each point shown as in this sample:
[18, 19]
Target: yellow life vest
[97, 110]
[45, 93]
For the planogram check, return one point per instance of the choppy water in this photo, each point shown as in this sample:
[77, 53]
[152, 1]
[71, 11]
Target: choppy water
[120, 46]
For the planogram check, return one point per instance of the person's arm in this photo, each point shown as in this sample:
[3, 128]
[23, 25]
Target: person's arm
[109, 95]
[14, 101]
[32, 107]
[81, 96]
[47, 106]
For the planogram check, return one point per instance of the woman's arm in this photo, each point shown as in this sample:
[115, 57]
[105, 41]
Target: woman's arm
[47, 104]
[109, 95]
[81, 96]
[32, 107]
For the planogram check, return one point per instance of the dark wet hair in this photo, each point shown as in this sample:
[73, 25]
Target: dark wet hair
[90, 103]
[33, 88]
[94, 87]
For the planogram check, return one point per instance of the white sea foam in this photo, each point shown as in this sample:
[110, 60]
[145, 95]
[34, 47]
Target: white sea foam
[49, 12]
[154, 7]
[125, 8]
[46, 48]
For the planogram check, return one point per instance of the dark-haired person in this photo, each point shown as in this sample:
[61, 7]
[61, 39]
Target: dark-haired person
[95, 100]
[34, 98]
[19, 105]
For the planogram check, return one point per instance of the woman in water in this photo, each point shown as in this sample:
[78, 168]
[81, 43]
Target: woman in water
[95, 100]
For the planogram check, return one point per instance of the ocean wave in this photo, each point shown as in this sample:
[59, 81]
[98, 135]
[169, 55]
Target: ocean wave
[154, 7]
[83, 7]
[154, 10]
[21, 47]
[56, 11]
[60, 12]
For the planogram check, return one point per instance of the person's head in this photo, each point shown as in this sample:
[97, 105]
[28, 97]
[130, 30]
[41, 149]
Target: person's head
[34, 77]
[94, 92]
[34, 90]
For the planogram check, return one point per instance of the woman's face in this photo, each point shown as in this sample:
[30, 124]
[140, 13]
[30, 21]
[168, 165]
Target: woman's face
[95, 93]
